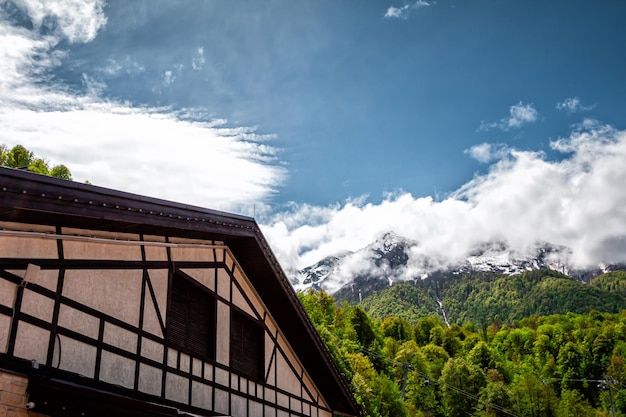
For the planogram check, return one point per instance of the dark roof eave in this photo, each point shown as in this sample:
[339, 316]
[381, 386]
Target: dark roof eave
[43, 197]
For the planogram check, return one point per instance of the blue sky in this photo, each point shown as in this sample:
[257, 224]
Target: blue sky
[334, 121]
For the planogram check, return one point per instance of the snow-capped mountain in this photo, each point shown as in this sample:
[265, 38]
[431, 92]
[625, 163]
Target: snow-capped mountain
[384, 259]
[394, 258]
[314, 275]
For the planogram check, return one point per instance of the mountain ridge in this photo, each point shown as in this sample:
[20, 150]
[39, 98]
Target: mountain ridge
[393, 258]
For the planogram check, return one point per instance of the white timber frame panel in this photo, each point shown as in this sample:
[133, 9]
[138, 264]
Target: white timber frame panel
[96, 303]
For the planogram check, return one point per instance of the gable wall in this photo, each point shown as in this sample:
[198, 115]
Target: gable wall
[95, 303]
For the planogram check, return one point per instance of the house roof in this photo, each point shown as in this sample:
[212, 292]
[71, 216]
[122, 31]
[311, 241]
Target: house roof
[32, 198]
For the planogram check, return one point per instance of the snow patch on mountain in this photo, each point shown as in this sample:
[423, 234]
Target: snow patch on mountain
[498, 257]
[315, 276]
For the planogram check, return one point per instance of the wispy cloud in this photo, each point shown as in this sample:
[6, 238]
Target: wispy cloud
[197, 62]
[158, 151]
[402, 12]
[126, 66]
[573, 105]
[93, 87]
[577, 201]
[519, 115]
[397, 12]
[168, 77]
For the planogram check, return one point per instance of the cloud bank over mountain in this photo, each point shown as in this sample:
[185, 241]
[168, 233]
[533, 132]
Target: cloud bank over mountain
[577, 200]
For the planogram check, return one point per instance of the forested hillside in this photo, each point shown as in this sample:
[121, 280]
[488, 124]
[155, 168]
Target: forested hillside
[485, 297]
[557, 365]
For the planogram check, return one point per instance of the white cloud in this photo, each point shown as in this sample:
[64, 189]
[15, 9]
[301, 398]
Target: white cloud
[397, 12]
[519, 115]
[579, 201]
[487, 152]
[74, 20]
[572, 105]
[151, 151]
[402, 12]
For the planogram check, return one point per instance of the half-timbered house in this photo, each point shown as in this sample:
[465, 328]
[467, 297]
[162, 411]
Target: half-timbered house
[114, 304]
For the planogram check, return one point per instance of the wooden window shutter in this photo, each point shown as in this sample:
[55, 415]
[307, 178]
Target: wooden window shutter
[247, 345]
[191, 319]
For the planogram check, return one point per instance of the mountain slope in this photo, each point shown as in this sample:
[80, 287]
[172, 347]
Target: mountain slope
[614, 282]
[482, 298]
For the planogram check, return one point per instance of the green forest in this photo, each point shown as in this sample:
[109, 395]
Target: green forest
[494, 359]
[484, 297]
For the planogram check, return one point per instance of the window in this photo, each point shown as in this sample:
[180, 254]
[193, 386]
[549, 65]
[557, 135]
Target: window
[191, 318]
[247, 345]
